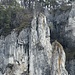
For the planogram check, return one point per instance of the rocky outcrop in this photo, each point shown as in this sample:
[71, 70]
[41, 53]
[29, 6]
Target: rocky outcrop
[40, 47]
[14, 53]
[58, 60]
[30, 52]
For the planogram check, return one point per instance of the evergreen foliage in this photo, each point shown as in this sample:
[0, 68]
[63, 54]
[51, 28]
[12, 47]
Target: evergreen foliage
[12, 16]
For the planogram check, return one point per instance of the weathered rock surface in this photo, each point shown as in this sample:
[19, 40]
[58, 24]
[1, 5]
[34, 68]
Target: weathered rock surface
[58, 62]
[14, 53]
[40, 47]
[71, 26]
[71, 67]
[30, 52]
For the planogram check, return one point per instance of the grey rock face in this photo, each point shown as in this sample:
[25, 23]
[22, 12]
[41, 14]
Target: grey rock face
[40, 47]
[71, 66]
[14, 53]
[30, 52]
[45, 60]
[71, 25]
[58, 20]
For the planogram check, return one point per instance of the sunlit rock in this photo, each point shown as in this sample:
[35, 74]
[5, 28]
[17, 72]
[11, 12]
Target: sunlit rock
[58, 60]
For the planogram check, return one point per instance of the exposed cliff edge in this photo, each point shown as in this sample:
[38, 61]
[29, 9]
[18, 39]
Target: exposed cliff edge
[31, 53]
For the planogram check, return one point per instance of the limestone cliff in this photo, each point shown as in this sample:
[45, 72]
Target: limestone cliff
[58, 60]
[30, 52]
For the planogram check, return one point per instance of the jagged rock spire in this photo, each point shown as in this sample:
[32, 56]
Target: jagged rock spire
[31, 53]
[58, 60]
